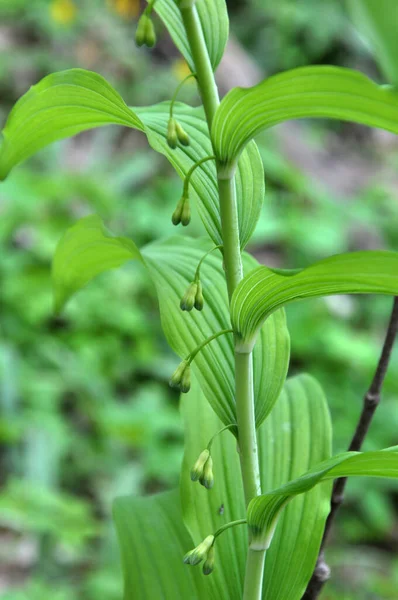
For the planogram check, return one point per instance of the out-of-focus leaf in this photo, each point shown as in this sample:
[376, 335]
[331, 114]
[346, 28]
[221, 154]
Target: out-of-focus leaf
[319, 91]
[264, 511]
[59, 106]
[85, 251]
[264, 290]
[296, 435]
[213, 17]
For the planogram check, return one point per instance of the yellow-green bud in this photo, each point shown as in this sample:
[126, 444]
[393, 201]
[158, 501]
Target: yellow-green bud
[172, 138]
[208, 566]
[195, 556]
[199, 300]
[175, 380]
[188, 300]
[185, 384]
[150, 35]
[186, 213]
[197, 469]
[207, 479]
[176, 216]
[182, 135]
[141, 31]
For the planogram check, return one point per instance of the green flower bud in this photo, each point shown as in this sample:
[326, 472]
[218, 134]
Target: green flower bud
[185, 384]
[140, 34]
[188, 300]
[208, 566]
[197, 469]
[176, 216]
[175, 380]
[207, 479]
[172, 138]
[182, 135]
[195, 556]
[186, 213]
[150, 34]
[199, 300]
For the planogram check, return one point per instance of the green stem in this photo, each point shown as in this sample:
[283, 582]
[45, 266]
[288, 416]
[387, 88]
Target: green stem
[177, 90]
[228, 526]
[192, 355]
[233, 273]
[192, 170]
[232, 426]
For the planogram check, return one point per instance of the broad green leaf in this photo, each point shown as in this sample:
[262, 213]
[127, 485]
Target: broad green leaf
[295, 437]
[172, 266]
[264, 290]
[249, 177]
[378, 21]
[86, 250]
[153, 541]
[59, 106]
[318, 91]
[213, 16]
[264, 511]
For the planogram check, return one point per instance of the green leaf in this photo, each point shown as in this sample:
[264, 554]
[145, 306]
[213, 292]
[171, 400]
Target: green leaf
[250, 174]
[59, 106]
[172, 265]
[213, 16]
[85, 251]
[379, 23]
[296, 436]
[319, 91]
[264, 511]
[153, 541]
[264, 290]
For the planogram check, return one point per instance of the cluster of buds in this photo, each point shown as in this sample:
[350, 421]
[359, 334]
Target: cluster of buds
[176, 133]
[205, 551]
[145, 34]
[181, 378]
[182, 213]
[203, 470]
[193, 297]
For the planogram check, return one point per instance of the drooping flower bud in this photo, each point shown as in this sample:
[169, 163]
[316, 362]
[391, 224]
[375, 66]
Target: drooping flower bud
[185, 384]
[208, 566]
[150, 34]
[195, 556]
[207, 479]
[197, 469]
[172, 138]
[145, 33]
[176, 216]
[175, 380]
[199, 300]
[182, 135]
[188, 299]
[186, 213]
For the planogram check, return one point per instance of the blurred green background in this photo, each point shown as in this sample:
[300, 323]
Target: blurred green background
[85, 410]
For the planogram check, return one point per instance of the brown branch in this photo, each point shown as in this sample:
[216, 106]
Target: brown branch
[371, 401]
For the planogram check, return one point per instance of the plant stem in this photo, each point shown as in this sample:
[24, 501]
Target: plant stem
[233, 272]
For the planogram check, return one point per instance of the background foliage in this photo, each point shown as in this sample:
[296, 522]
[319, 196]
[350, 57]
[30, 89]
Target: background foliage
[85, 410]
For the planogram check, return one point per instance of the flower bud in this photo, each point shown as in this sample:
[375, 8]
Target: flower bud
[150, 34]
[172, 138]
[199, 300]
[141, 31]
[188, 300]
[182, 135]
[208, 566]
[186, 213]
[207, 479]
[195, 556]
[176, 216]
[185, 384]
[175, 380]
[197, 469]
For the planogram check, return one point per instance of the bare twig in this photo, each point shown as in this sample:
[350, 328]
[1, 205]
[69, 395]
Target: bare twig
[370, 403]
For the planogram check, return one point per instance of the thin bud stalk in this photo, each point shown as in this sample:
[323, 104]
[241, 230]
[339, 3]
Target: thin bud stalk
[192, 355]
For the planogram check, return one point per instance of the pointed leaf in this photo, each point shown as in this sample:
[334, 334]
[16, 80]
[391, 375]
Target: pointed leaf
[85, 251]
[213, 16]
[249, 178]
[295, 436]
[379, 24]
[153, 541]
[264, 290]
[172, 265]
[320, 91]
[264, 511]
[59, 106]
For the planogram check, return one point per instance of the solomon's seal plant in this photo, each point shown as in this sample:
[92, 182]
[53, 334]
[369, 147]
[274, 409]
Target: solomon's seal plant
[223, 314]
